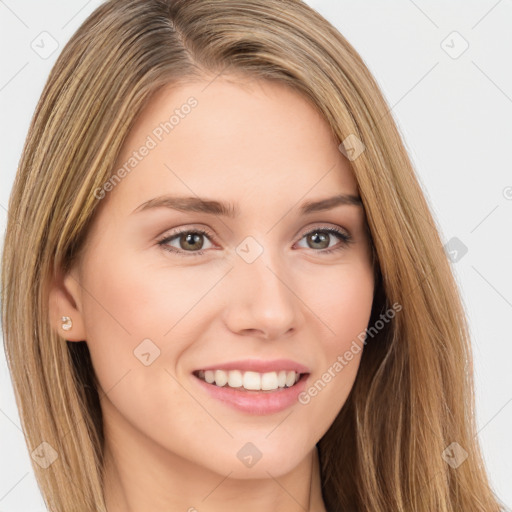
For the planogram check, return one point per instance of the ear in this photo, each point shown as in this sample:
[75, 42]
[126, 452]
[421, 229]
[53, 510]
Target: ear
[65, 300]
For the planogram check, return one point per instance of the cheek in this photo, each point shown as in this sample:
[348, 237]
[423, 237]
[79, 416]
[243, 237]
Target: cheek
[132, 318]
[129, 298]
[343, 307]
[130, 301]
[350, 307]
[342, 302]
[349, 311]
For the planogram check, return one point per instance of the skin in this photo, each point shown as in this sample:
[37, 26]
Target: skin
[169, 445]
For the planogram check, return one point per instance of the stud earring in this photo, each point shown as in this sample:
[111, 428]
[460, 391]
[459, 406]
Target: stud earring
[66, 323]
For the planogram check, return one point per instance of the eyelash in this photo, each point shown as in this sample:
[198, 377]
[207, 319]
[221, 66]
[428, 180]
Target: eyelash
[346, 240]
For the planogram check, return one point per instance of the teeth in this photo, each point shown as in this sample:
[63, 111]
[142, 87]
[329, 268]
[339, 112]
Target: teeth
[269, 381]
[221, 378]
[252, 381]
[235, 379]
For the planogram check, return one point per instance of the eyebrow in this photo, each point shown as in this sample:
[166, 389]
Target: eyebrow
[226, 209]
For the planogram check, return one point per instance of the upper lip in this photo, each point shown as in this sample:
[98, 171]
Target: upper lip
[259, 365]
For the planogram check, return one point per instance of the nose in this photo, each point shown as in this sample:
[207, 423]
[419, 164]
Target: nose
[261, 300]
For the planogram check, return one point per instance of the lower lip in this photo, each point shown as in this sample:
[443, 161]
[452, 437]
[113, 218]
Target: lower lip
[256, 402]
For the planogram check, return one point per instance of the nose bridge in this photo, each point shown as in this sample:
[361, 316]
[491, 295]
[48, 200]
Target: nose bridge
[261, 296]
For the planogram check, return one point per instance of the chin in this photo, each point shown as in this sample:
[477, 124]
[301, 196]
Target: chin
[261, 458]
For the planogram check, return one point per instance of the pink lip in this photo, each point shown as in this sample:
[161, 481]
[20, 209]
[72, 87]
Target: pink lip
[256, 402]
[260, 366]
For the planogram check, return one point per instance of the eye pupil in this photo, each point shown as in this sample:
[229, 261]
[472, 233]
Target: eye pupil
[191, 239]
[319, 238]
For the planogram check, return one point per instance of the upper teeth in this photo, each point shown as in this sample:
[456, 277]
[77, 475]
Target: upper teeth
[250, 380]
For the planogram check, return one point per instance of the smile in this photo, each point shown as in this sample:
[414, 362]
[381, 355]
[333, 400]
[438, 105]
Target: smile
[250, 380]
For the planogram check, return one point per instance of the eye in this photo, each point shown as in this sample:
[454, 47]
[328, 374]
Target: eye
[190, 242]
[321, 237]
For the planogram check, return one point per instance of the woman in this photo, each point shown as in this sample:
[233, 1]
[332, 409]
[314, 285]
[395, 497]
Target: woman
[231, 294]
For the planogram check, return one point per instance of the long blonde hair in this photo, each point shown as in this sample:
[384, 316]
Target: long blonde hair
[413, 395]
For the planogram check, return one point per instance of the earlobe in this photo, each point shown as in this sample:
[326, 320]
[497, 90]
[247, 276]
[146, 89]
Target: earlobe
[65, 308]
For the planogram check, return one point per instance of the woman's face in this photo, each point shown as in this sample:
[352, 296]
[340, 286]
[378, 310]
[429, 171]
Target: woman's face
[256, 283]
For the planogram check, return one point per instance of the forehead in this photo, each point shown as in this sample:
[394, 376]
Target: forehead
[229, 138]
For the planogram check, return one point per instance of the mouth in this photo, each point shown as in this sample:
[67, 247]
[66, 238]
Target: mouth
[251, 381]
[254, 386]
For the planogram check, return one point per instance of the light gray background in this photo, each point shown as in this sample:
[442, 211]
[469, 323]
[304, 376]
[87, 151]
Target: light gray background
[454, 112]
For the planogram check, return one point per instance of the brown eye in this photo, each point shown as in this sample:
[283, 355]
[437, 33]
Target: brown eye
[320, 239]
[189, 242]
